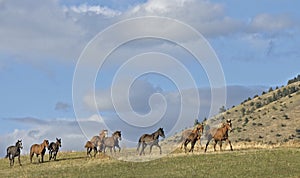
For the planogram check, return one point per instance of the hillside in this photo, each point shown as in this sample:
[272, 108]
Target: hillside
[270, 119]
[273, 117]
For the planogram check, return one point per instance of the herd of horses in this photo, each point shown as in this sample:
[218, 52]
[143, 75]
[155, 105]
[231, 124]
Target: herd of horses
[102, 141]
[38, 149]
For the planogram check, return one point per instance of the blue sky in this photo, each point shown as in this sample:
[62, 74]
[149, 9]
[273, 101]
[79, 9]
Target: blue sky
[256, 43]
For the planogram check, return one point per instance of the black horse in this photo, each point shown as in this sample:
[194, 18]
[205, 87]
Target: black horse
[53, 149]
[14, 151]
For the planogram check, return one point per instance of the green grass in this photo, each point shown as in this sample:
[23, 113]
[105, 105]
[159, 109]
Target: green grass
[282, 162]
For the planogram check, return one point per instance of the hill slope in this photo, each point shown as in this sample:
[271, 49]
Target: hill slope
[273, 117]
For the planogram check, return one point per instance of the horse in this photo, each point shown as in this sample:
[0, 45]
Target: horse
[193, 137]
[38, 149]
[89, 147]
[112, 142]
[98, 140]
[150, 139]
[14, 151]
[221, 134]
[186, 133]
[53, 149]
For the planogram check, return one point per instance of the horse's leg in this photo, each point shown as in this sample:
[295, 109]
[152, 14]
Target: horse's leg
[13, 160]
[200, 143]
[31, 155]
[215, 145]
[143, 147]
[87, 151]
[42, 155]
[192, 145]
[230, 144]
[19, 159]
[151, 148]
[114, 149]
[221, 145]
[50, 155]
[159, 148]
[206, 145]
[138, 147]
[95, 151]
[186, 142]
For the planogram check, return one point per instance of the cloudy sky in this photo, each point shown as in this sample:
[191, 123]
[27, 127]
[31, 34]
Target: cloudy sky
[256, 44]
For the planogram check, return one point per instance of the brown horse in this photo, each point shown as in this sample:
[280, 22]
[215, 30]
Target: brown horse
[219, 135]
[89, 147]
[98, 140]
[112, 142]
[150, 139]
[193, 137]
[38, 149]
[186, 133]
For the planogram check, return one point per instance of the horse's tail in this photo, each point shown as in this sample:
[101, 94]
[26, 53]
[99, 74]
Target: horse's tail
[139, 144]
[7, 153]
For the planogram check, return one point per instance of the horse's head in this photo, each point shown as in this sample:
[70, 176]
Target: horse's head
[229, 122]
[103, 133]
[228, 126]
[19, 144]
[118, 135]
[161, 132]
[46, 143]
[200, 128]
[58, 142]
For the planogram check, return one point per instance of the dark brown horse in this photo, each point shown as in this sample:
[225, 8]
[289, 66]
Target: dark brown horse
[185, 134]
[112, 142]
[53, 149]
[39, 149]
[193, 137]
[98, 140]
[89, 147]
[150, 139]
[219, 135]
[14, 151]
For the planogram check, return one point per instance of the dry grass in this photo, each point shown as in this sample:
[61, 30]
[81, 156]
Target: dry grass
[277, 162]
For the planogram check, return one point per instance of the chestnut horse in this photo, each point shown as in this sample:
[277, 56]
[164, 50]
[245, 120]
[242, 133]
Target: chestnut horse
[221, 134]
[14, 151]
[112, 142]
[186, 133]
[193, 137]
[89, 147]
[38, 149]
[150, 139]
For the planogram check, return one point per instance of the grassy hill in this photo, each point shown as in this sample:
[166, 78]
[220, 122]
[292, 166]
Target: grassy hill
[272, 118]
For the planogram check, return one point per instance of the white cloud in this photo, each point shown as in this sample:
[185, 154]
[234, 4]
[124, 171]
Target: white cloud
[99, 10]
[271, 23]
[208, 18]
